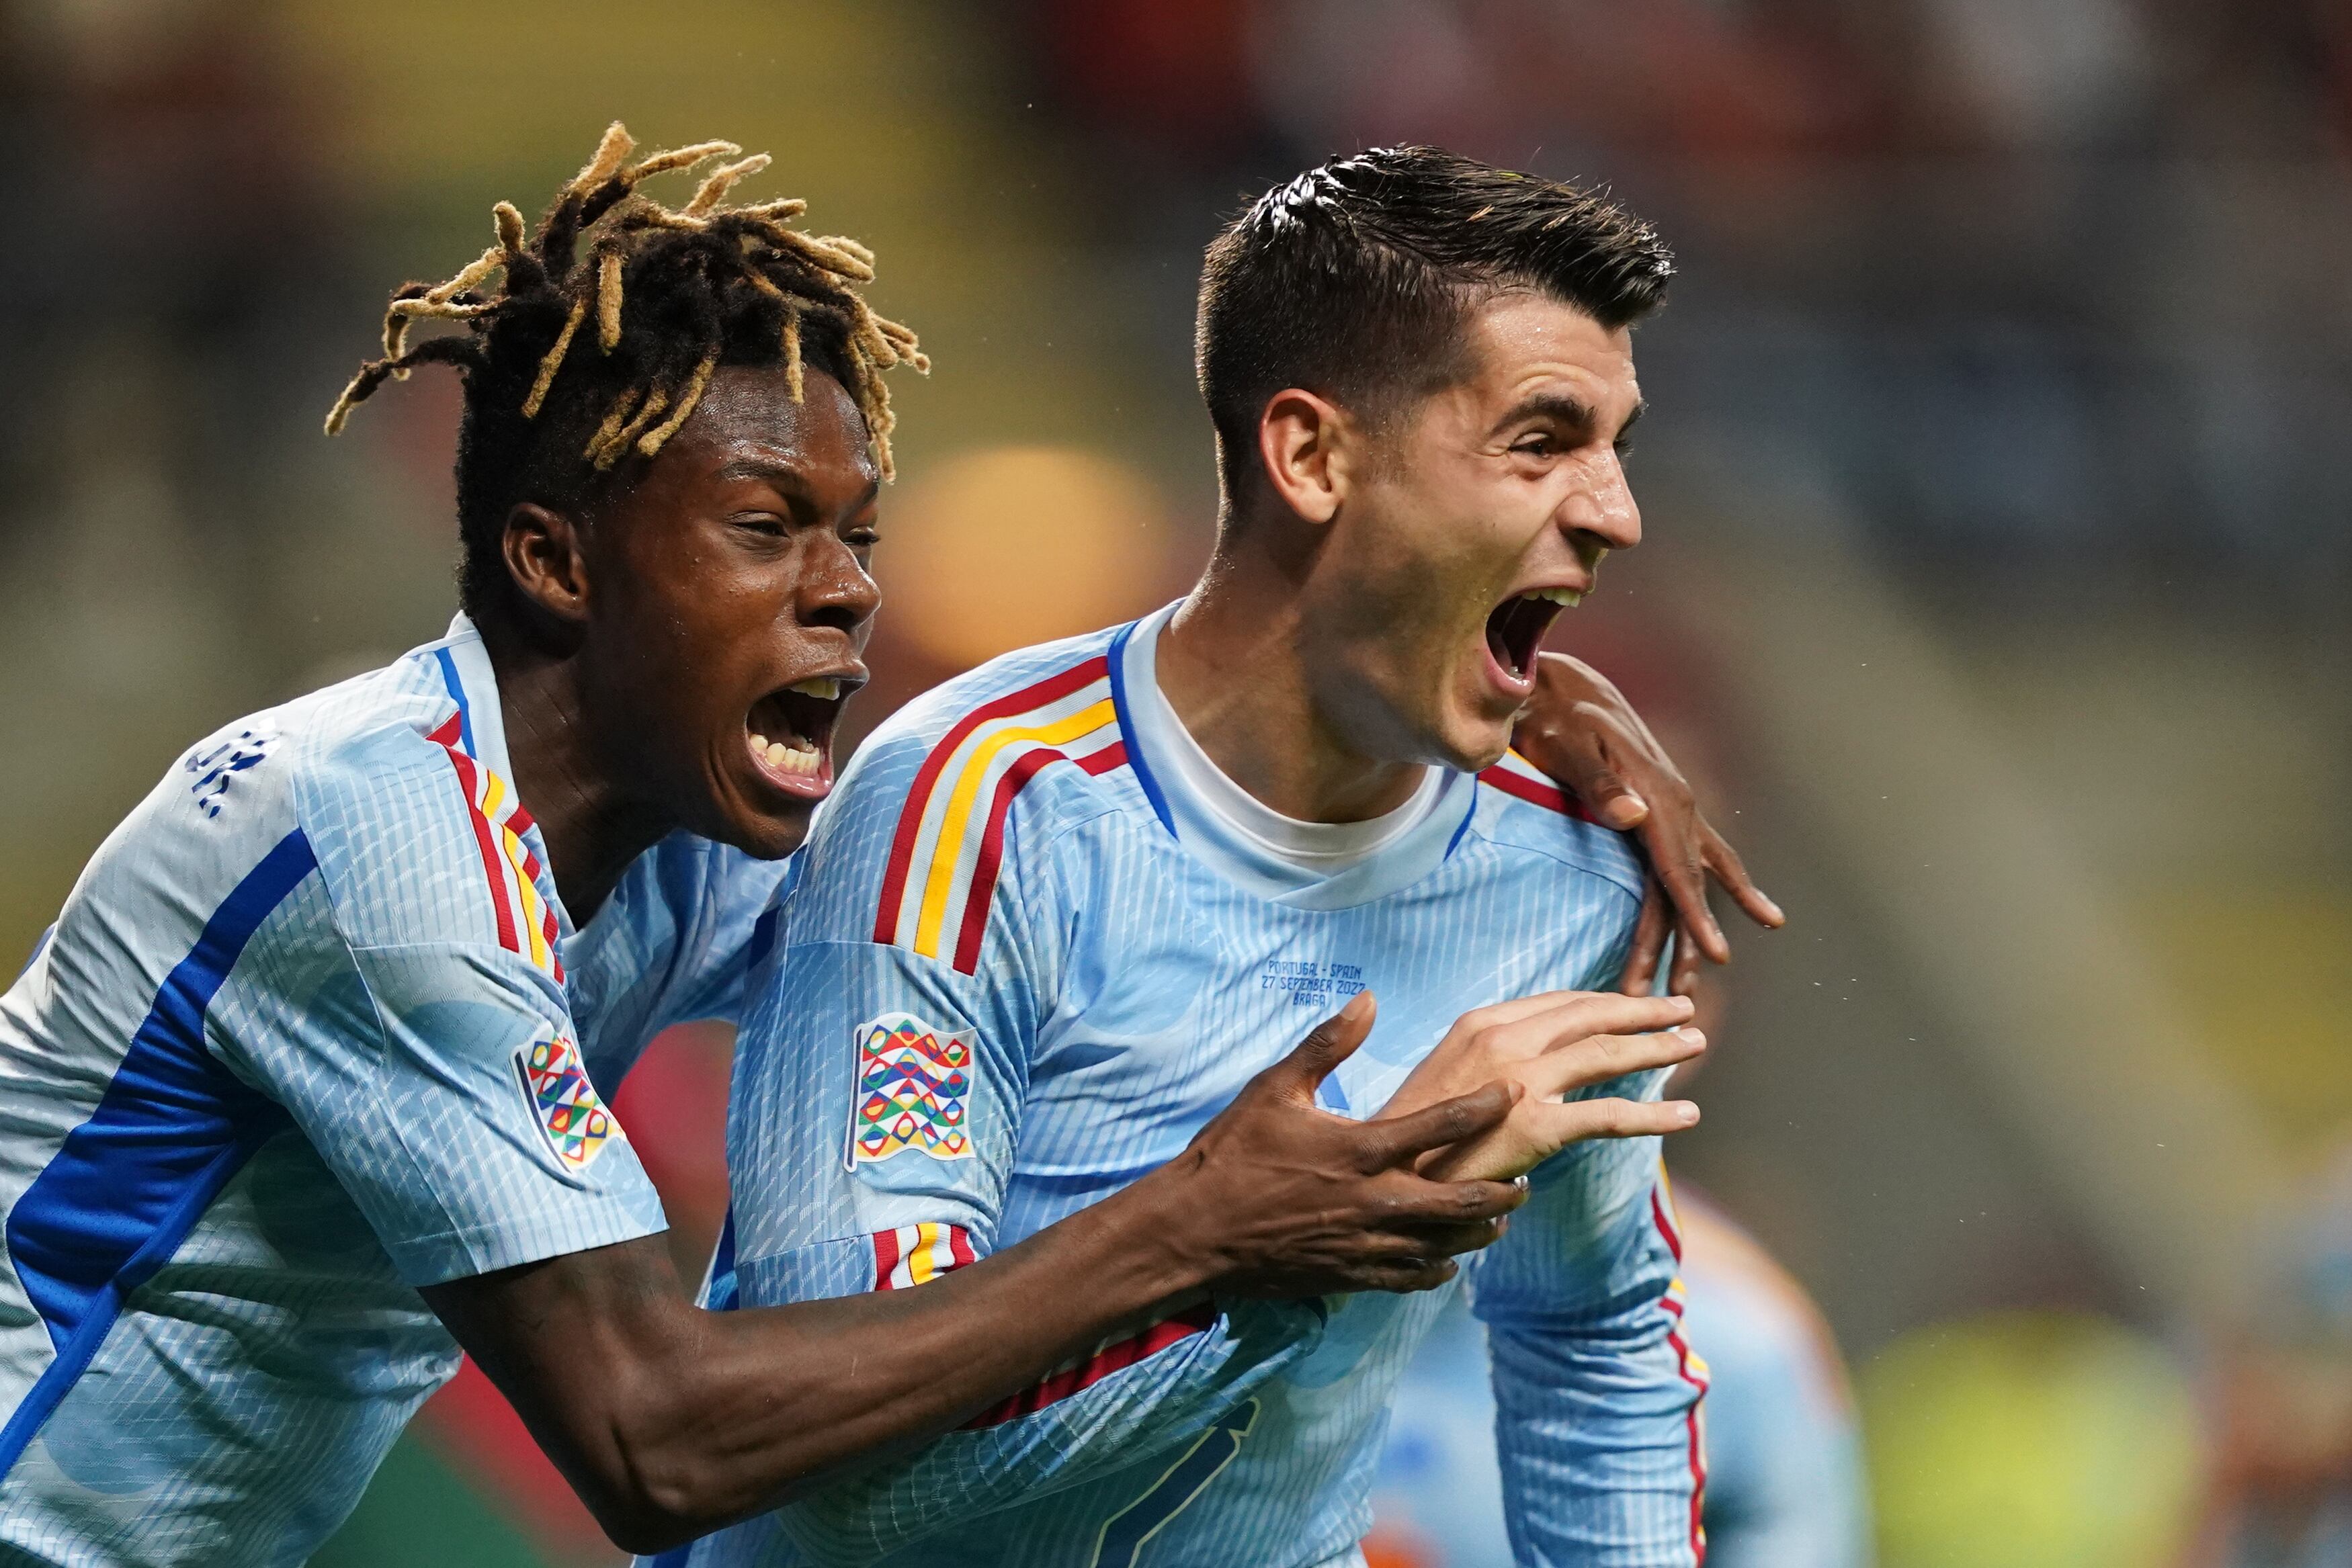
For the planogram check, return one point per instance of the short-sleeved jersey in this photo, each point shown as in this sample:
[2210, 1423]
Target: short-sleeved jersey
[1019, 968]
[312, 1029]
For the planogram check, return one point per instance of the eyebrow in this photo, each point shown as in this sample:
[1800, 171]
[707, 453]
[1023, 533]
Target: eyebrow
[786, 479]
[1569, 412]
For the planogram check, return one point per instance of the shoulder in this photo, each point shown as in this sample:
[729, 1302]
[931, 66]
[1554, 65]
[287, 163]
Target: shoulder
[411, 833]
[946, 799]
[1522, 811]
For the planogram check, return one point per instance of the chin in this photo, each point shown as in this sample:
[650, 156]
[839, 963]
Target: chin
[772, 838]
[763, 832]
[1471, 746]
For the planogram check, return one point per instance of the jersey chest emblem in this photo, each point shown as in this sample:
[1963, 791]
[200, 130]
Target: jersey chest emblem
[913, 1091]
[563, 1103]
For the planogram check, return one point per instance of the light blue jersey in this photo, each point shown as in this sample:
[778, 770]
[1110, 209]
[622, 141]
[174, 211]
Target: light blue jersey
[1022, 966]
[312, 1029]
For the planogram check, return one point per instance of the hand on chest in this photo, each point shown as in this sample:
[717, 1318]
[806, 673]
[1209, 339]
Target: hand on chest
[1153, 1035]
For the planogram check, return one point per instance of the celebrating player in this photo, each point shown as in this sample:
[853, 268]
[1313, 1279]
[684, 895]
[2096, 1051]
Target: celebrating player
[1062, 908]
[322, 1026]
[306, 1079]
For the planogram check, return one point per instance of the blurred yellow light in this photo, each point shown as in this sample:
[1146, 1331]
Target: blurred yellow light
[2029, 1440]
[1014, 545]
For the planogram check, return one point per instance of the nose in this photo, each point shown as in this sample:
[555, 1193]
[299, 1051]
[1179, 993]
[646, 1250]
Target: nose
[836, 590]
[1598, 512]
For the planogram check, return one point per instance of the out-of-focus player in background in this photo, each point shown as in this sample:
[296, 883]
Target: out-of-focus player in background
[307, 1079]
[328, 1019]
[1059, 910]
[2278, 1490]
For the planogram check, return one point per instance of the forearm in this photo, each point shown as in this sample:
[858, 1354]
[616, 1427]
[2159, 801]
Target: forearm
[1596, 1387]
[1135, 1402]
[694, 1418]
[1599, 1441]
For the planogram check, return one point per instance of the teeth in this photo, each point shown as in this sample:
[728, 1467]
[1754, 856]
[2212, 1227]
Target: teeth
[823, 688]
[1568, 596]
[793, 758]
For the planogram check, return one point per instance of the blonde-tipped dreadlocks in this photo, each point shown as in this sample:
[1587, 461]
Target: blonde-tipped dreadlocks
[674, 294]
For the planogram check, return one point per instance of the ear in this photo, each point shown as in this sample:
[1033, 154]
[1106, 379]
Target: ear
[1310, 451]
[546, 558]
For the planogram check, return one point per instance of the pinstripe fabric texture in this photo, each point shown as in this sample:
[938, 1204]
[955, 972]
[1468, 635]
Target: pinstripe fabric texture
[1130, 976]
[263, 1081]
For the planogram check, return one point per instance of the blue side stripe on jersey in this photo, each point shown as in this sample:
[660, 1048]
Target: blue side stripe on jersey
[762, 940]
[1126, 1532]
[723, 1295]
[127, 1186]
[458, 694]
[1116, 658]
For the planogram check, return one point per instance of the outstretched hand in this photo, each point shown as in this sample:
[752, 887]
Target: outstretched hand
[1580, 730]
[1299, 1202]
[1551, 1046]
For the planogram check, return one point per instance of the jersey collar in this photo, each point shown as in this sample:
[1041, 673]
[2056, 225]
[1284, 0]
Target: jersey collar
[1146, 720]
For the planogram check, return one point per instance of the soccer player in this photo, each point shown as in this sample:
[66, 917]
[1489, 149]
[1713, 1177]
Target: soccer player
[304, 1087]
[1061, 909]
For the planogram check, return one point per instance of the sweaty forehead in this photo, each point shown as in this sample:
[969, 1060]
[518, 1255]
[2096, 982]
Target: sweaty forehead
[1521, 341]
[748, 414]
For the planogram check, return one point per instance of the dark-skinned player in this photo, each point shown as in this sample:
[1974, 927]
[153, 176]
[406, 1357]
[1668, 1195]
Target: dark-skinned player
[305, 1081]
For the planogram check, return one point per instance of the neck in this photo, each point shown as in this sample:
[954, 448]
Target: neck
[592, 827]
[1233, 665]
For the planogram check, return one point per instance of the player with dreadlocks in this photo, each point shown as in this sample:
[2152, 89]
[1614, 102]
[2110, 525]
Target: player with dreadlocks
[306, 1081]
[305, 1084]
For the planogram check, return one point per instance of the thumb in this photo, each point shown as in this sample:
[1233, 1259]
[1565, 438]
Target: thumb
[1335, 1040]
[1608, 797]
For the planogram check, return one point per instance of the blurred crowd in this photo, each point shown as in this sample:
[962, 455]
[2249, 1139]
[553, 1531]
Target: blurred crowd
[2030, 315]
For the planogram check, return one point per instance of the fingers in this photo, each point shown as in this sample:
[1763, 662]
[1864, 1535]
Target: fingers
[1407, 1280]
[1591, 1013]
[1640, 975]
[1684, 979]
[1579, 1121]
[1725, 864]
[1398, 1141]
[1512, 1012]
[1428, 1216]
[1673, 840]
[1600, 1058]
[1331, 1042]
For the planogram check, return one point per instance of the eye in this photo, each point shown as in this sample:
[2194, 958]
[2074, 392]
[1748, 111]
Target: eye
[766, 524]
[1625, 448]
[1539, 444]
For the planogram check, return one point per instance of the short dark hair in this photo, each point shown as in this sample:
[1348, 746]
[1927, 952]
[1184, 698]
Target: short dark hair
[1354, 281]
[555, 420]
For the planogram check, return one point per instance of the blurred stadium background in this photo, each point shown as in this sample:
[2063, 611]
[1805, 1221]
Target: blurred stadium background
[1997, 492]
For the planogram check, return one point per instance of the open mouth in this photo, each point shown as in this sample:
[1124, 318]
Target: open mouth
[1516, 629]
[790, 734]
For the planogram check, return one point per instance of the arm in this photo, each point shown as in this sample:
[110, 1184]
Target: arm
[695, 1419]
[440, 1080]
[1596, 1388]
[1580, 730]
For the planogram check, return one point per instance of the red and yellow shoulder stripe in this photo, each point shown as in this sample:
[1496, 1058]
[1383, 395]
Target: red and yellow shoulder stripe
[950, 843]
[527, 924]
[1514, 774]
